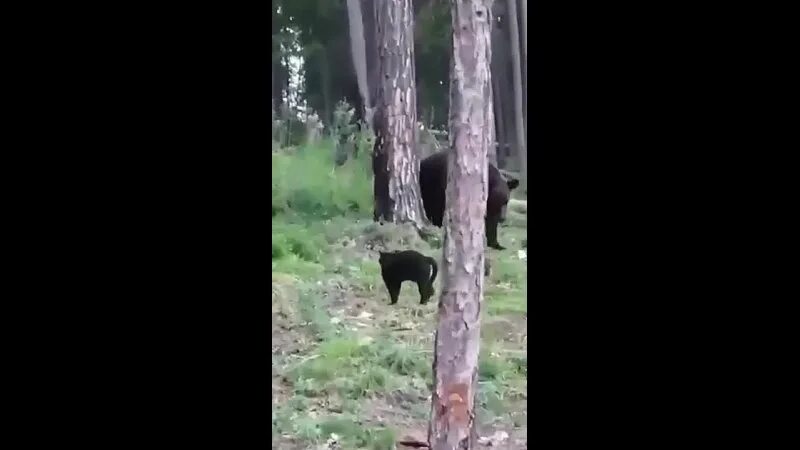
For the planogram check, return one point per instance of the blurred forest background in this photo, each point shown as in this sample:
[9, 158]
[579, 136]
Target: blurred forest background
[314, 80]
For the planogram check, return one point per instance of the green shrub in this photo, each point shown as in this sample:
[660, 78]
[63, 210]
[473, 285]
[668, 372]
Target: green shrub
[306, 181]
[296, 239]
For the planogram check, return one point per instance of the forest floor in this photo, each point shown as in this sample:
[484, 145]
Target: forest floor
[351, 371]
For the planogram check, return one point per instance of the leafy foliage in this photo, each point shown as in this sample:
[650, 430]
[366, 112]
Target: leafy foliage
[323, 35]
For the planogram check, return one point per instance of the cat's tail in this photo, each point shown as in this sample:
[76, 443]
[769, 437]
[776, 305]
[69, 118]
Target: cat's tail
[434, 269]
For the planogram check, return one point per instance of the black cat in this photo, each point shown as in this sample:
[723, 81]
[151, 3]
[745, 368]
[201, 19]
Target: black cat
[408, 265]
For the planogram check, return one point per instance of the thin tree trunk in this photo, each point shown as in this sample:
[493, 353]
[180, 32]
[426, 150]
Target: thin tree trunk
[325, 77]
[359, 56]
[507, 94]
[502, 83]
[497, 93]
[368, 18]
[506, 83]
[499, 122]
[453, 100]
[272, 84]
[279, 82]
[517, 73]
[491, 129]
[395, 159]
[525, 64]
[525, 32]
[455, 366]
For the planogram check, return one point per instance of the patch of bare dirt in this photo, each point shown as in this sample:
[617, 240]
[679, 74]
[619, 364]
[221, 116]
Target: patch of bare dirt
[400, 416]
[504, 435]
[510, 330]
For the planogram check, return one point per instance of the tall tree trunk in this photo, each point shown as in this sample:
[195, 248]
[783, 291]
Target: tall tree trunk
[276, 50]
[272, 88]
[280, 80]
[499, 120]
[517, 73]
[368, 18]
[506, 82]
[498, 70]
[490, 122]
[507, 103]
[525, 33]
[395, 159]
[525, 65]
[523, 44]
[359, 55]
[491, 129]
[452, 95]
[455, 365]
[325, 78]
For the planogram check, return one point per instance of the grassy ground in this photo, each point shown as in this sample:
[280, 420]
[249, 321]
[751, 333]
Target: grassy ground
[347, 366]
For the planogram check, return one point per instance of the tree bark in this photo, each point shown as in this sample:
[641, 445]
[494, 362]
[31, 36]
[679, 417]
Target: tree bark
[453, 104]
[507, 92]
[525, 33]
[500, 135]
[455, 366]
[272, 88]
[490, 122]
[371, 48]
[359, 55]
[517, 73]
[504, 84]
[325, 78]
[280, 81]
[395, 159]
[498, 70]
[525, 70]
[491, 129]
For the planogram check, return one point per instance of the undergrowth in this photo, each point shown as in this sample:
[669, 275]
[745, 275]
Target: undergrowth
[307, 182]
[324, 261]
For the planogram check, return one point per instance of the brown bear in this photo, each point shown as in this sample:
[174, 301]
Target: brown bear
[433, 183]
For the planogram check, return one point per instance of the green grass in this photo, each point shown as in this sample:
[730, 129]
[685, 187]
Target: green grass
[403, 359]
[305, 181]
[346, 369]
[501, 300]
[355, 368]
[322, 268]
[289, 238]
[345, 428]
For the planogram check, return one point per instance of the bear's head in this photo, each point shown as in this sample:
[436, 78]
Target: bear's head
[501, 194]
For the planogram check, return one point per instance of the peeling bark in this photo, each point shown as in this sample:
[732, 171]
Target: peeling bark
[455, 367]
[395, 159]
